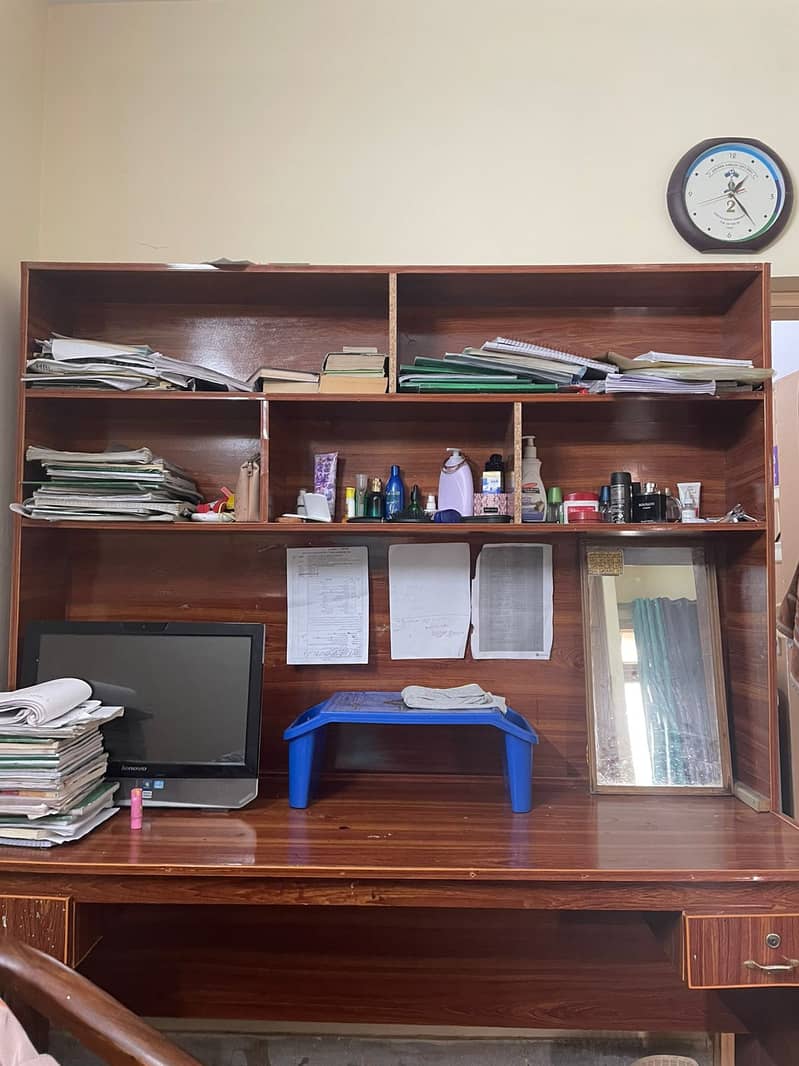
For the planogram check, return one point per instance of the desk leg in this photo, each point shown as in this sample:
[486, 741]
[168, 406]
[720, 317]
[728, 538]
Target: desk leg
[46, 923]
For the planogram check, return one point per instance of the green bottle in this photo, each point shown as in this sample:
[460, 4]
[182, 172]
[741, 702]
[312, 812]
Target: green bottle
[554, 505]
[375, 502]
[415, 509]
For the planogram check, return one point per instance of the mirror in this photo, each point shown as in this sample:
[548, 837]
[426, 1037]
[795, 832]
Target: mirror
[657, 715]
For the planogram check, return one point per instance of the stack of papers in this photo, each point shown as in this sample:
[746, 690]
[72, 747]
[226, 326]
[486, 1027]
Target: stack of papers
[117, 485]
[664, 372]
[52, 763]
[80, 363]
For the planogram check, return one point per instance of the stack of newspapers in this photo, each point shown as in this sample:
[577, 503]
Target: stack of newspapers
[53, 764]
[122, 486]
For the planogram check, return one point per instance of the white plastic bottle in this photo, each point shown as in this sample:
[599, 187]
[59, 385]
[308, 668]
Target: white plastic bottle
[455, 485]
[534, 496]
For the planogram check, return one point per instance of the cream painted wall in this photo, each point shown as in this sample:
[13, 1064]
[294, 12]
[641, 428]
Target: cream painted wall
[22, 36]
[399, 130]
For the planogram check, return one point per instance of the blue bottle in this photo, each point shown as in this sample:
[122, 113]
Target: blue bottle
[395, 494]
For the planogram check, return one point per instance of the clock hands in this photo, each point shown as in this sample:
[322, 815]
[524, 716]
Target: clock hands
[738, 202]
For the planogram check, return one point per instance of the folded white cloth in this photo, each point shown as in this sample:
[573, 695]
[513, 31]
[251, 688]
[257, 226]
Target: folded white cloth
[39, 704]
[462, 697]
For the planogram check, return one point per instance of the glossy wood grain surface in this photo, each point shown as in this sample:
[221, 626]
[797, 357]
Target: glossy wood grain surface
[531, 969]
[45, 922]
[718, 948]
[414, 828]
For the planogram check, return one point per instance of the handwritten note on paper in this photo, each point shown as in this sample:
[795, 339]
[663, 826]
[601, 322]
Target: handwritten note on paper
[429, 600]
[512, 602]
[328, 605]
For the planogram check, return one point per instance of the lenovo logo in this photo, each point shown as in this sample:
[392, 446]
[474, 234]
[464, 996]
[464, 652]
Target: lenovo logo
[138, 769]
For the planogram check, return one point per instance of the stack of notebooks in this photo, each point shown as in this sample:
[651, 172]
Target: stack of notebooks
[109, 486]
[276, 380]
[74, 362]
[504, 365]
[354, 370]
[52, 764]
[667, 374]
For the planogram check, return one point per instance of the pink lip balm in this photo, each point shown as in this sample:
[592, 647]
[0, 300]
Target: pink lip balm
[135, 808]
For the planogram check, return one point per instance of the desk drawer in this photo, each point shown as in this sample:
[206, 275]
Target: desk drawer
[741, 950]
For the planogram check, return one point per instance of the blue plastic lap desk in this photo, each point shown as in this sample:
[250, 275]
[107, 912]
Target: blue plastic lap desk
[306, 738]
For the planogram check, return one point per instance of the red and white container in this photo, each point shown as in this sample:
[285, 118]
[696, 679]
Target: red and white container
[580, 507]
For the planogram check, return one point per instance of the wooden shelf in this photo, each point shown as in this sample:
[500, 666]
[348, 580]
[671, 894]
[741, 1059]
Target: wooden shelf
[532, 530]
[411, 398]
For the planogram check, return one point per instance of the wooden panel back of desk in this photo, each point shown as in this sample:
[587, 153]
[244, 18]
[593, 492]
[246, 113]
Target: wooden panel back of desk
[229, 577]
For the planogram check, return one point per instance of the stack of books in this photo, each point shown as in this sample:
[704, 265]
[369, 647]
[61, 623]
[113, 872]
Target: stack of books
[666, 373]
[52, 764]
[75, 362]
[503, 365]
[355, 370]
[118, 485]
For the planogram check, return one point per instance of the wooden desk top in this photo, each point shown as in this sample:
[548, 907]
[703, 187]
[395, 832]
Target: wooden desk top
[402, 830]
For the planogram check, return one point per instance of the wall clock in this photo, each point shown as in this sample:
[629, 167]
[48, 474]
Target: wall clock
[730, 194]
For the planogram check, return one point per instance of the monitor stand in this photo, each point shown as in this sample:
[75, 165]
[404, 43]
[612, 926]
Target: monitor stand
[224, 793]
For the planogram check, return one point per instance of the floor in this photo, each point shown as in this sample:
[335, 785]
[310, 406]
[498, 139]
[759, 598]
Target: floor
[248, 1049]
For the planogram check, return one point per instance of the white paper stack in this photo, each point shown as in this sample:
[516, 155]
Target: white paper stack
[81, 363]
[52, 762]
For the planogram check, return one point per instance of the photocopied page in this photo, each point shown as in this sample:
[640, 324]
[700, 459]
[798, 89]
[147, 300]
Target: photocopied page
[512, 602]
[328, 605]
[429, 600]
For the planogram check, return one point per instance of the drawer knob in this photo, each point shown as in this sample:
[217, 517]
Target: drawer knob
[787, 967]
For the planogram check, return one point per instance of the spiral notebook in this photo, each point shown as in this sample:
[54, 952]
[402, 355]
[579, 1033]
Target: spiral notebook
[512, 346]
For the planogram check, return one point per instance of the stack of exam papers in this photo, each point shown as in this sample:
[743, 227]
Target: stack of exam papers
[667, 373]
[92, 364]
[52, 763]
[118, 485]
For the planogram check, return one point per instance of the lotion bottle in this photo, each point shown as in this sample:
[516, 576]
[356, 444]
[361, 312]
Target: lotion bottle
[534, 497]
[455, 485]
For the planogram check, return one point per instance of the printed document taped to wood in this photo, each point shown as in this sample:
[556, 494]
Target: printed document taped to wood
[512, 602]
[429, 598]
[328, 606]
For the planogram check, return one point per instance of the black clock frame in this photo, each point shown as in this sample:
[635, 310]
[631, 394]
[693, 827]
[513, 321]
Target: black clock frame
[682, 220]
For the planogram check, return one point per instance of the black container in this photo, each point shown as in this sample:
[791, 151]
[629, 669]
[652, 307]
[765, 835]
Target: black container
[620, 509]
[649, 507]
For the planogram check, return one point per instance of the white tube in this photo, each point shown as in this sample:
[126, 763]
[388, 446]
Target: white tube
[689, 492]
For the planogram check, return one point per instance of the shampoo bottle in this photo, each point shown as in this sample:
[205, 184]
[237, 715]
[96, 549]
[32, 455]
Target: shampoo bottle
[395, 494]
[455, 485]
[534, 497]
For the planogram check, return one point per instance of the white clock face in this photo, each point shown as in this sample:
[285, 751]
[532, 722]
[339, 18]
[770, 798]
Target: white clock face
[734, 192]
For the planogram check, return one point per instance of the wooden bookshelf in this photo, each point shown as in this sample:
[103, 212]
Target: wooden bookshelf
[238, 320]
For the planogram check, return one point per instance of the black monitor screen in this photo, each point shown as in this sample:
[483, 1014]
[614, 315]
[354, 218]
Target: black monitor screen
[186, 696]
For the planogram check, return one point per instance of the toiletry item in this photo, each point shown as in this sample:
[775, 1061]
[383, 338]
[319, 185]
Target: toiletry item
[415, 506]
[395, 493]
[361, 488]
[554, 504]
[493, 475]
[534, 497]
[430, 506]
[349, 503]
[620, 497]
[455, 485]
[301, 502]
[604, 503]
[375, 504]
[580, 507]
[324, 478]
[649, 505]
[493, 503]
[672, 506]
[136, 808]
[690, 494]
